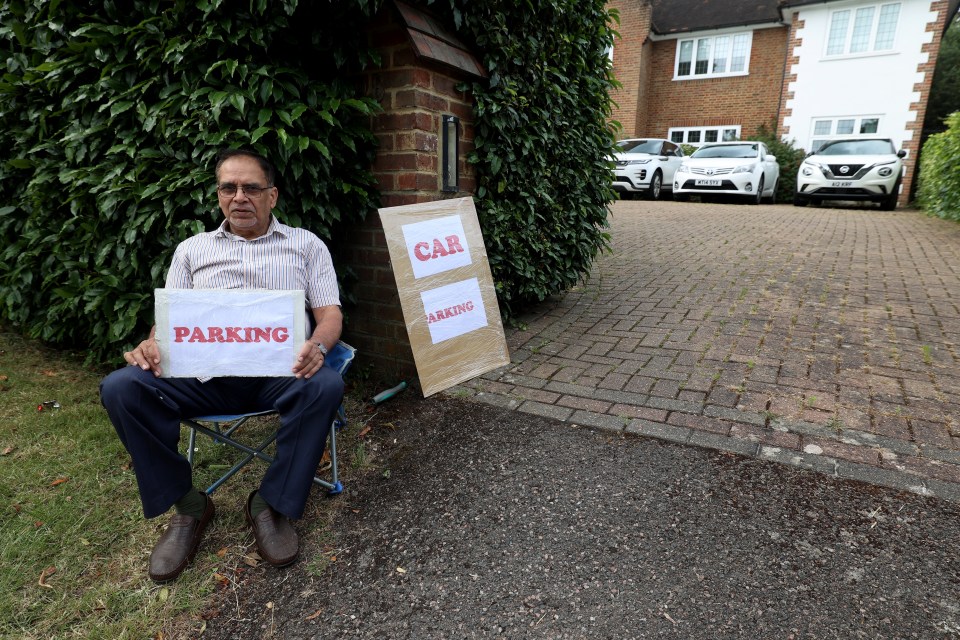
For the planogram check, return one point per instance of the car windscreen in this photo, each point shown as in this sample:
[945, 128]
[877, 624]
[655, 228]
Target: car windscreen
[857, 148]
[727, 151]
[640, 146]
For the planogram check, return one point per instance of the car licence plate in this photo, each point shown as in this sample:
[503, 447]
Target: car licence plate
[707, 183]
[841, 184]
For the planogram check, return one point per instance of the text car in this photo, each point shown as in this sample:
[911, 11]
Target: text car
[868, 169]
[645, 165]
[745, 169]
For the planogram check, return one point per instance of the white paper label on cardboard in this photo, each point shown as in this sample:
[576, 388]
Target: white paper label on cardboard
[233, 332]
[436, 245]
[454, 310]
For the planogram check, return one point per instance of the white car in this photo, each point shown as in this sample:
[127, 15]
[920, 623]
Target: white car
[646, 166]
[852, 169]
[745, 169]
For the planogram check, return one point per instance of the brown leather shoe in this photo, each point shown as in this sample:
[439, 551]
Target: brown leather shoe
[275, 536]
[178, 544]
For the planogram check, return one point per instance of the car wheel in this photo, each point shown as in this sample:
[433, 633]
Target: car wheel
[773, 193]
[758, 197]
[799, 200]
[890, 202]
[656, 185]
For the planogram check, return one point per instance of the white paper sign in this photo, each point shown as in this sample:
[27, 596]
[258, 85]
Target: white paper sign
[454, 310]
[236, 332]
[437, 245]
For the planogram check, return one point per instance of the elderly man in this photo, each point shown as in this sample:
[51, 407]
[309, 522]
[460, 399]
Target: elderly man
[250, 250]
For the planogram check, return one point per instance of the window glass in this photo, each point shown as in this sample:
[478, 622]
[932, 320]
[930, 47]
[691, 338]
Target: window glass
[686, 55]
[710, 135]
[836, 41]
[703, 56]
[822, 127]
[729, 135]
[721, 46]
[677, 136]
[716, 56]
[693, 136]
[887, 26]
[869, 125]
[738, 60]
[862, 26]
[844, 127]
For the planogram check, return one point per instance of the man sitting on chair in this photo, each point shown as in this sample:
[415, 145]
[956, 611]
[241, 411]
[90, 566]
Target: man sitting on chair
[250, 250]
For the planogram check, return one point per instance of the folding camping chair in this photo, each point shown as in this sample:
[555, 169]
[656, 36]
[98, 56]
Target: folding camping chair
[222, 427]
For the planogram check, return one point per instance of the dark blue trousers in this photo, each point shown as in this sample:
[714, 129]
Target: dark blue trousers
[146, 411]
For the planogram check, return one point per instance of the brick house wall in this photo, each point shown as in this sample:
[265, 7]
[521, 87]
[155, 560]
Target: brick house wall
[415, 93]
[631, 64]
[749, 101]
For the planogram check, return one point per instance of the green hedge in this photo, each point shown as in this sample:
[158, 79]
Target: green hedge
[542, 140]
[939, 190]
[113, 113]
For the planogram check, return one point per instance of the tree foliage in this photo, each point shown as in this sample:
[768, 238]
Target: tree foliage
[789, 157]
[543, 145]
[113, 113]
[939, 191]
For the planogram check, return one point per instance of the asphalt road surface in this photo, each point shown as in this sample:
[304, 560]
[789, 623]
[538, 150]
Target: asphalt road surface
[473, 521]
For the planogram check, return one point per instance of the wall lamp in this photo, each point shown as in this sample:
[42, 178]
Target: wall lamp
[451, 153]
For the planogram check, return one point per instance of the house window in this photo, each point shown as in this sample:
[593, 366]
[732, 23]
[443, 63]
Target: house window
[827, 128]
[697, 136]
[863, 30]
[716, 56]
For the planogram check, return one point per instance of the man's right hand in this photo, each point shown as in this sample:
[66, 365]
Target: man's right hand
[146, 356]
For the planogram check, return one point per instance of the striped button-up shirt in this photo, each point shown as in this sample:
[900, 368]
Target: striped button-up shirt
[283, 258]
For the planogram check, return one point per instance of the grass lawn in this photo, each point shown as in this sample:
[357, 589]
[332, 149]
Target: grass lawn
[74, 544]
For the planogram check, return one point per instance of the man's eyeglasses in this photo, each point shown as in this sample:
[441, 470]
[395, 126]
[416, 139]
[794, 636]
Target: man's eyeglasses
[249, 190]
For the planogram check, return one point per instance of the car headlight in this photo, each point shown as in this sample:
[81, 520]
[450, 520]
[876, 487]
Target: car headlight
[683, 168]
[885, 171]
[745, 168]
[806, 170]
[638, 161]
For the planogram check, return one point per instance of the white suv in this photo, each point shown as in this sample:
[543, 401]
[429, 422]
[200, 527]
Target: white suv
[645, 165]
[852, 169]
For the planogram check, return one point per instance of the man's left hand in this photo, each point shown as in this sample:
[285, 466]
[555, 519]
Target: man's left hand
[309, 360]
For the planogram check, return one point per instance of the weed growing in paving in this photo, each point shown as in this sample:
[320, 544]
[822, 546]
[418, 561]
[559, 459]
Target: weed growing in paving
[927, 354]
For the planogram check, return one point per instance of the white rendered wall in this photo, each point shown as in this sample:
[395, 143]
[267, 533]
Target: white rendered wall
[878, 84]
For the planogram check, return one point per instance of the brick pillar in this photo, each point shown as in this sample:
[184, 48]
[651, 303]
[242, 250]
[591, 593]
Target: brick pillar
[631, 64]
[414, 94]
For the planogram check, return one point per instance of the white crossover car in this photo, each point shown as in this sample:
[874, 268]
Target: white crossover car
[745, 169]
[645, 166]
[868, 169]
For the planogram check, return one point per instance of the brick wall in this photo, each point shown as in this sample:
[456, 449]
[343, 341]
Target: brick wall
[631, 63]
[932, 49]
[749, 101]
[414, 94]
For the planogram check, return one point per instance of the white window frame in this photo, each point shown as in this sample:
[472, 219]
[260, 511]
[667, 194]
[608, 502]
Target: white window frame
[816, 139]
[720, 129]
[710, 44]
[850, 14]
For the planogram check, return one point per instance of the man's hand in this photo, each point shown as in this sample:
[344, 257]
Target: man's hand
[146, 356]
[309, 360]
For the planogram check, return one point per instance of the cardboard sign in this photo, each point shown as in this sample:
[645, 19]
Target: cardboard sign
[236, 332]
[446, 291]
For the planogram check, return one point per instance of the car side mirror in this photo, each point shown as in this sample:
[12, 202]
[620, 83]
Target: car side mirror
[902, 153]
[769, 158]
[663, 158]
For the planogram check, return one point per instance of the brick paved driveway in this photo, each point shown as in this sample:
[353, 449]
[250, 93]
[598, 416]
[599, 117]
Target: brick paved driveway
[827, 339]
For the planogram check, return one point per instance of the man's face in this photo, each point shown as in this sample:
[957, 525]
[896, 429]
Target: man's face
[247, 216]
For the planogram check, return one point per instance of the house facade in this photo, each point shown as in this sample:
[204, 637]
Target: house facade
[698, 71]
